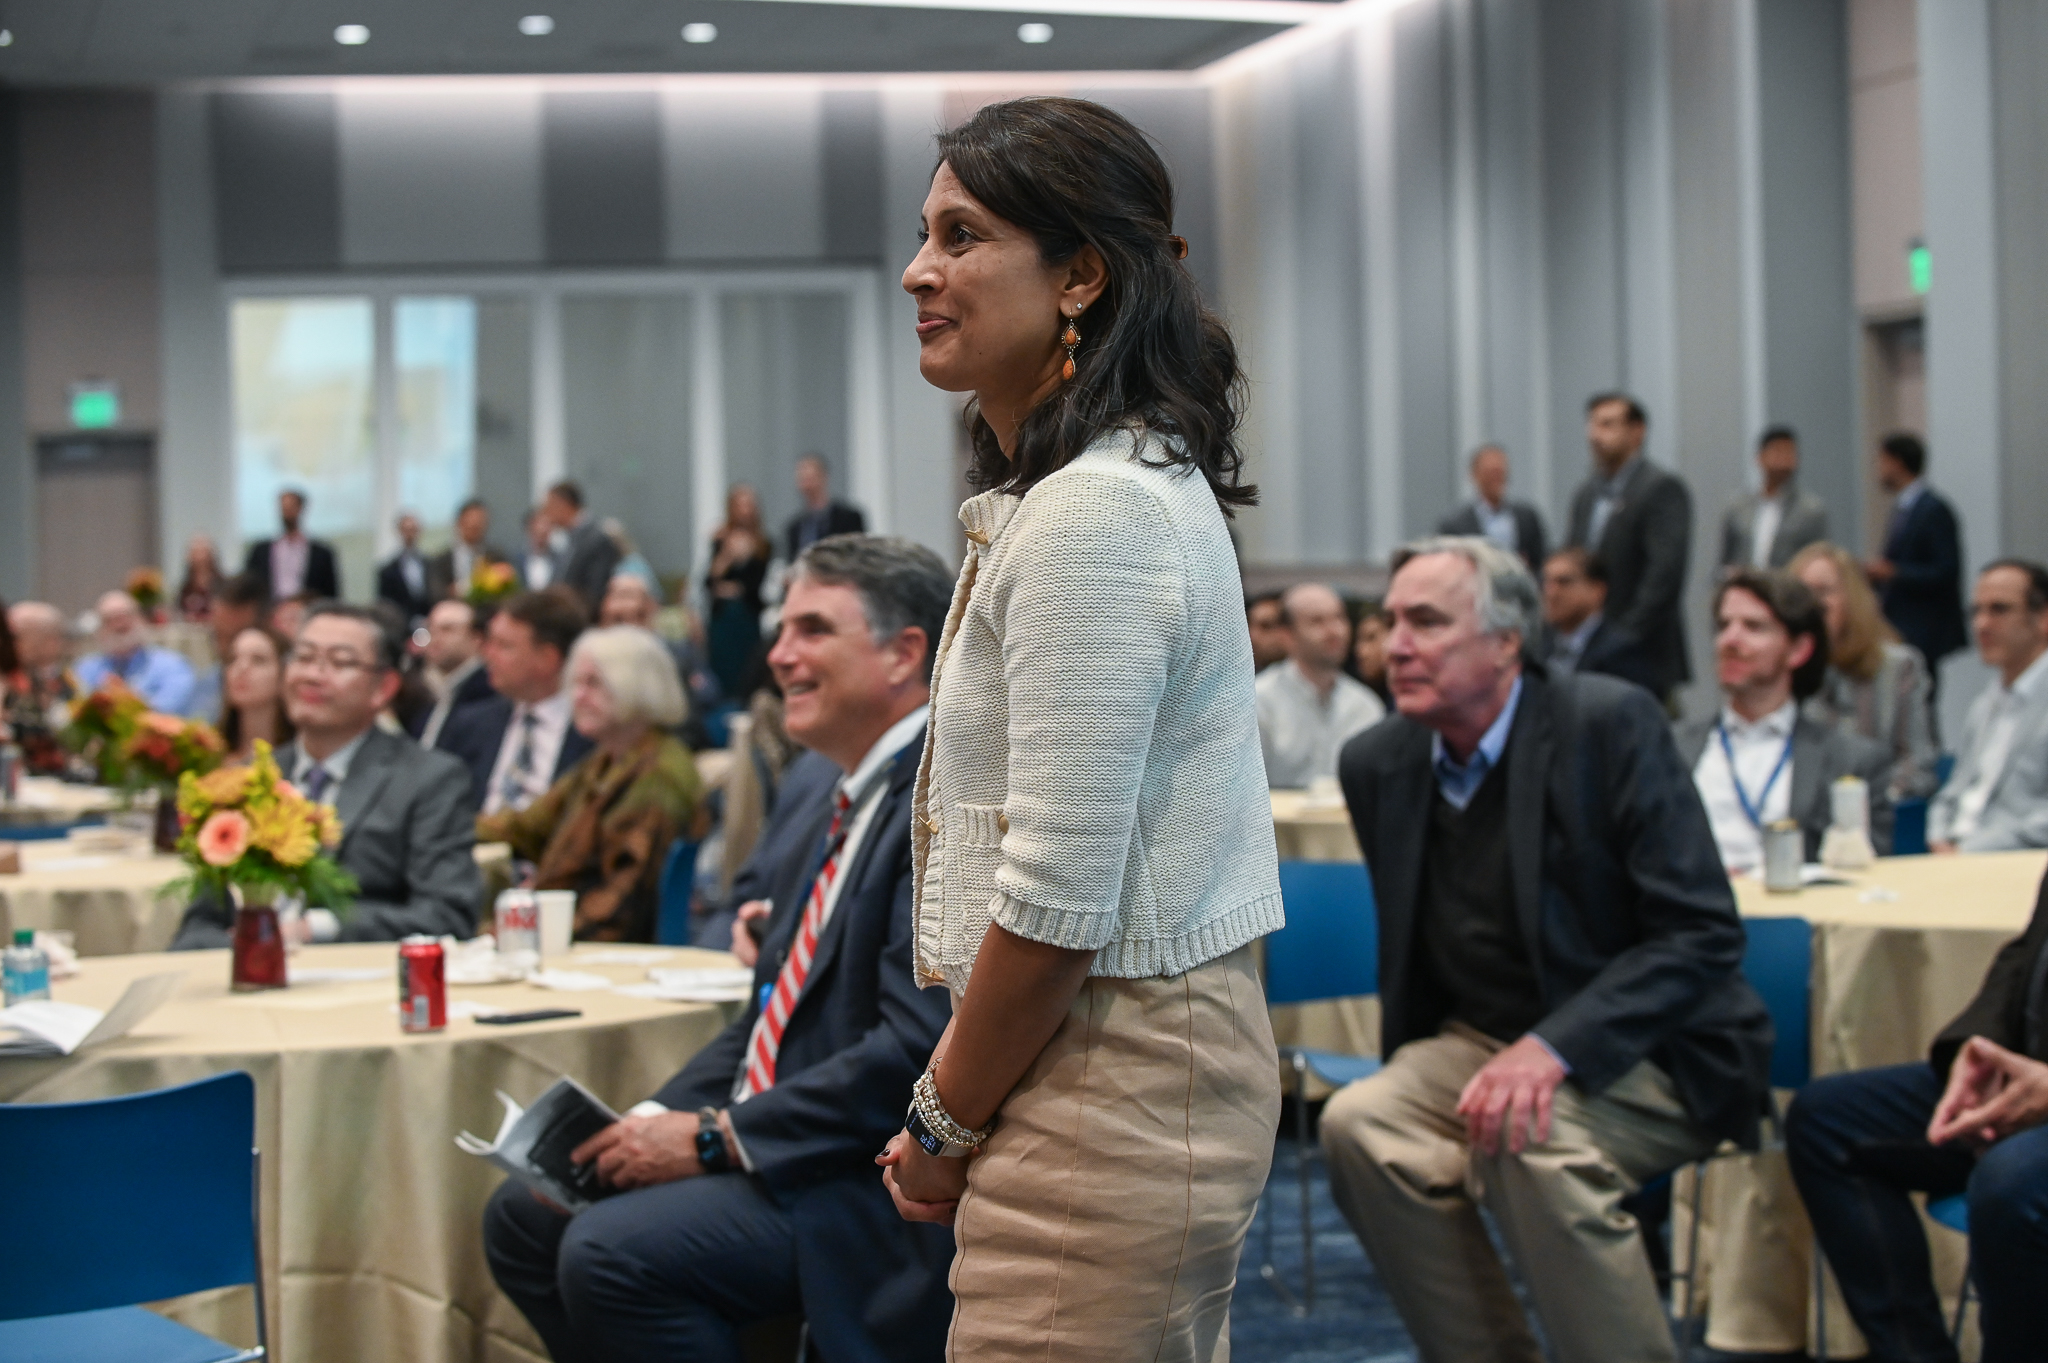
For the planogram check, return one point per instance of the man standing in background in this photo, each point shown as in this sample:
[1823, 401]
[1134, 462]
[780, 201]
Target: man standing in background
[585, 565]
[1920, 577]
[291, 563]
[1765, 528]
[1514, 526]
[821, 515]
[1637, 519]
[402, 580]
[450, 571]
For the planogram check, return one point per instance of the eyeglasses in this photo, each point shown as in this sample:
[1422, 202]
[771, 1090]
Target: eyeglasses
[334, 660]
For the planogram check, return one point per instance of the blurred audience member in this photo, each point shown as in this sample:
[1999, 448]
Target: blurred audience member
[1876, 686]
[631, 562]
[202, 578]
[519, 740]
[407, 832]
[454, 665]
[1368, 661]
[1577, 635]
[538, 566]
[604, 829]
[1765, 528]
[450, 572]
[588, 556]
[402, 579]
[1920, 577]
[1637, 520]
[288, 614]
[1308, 707]
[1514, 526]
[238, 603]
[252, 685]
[822, 515]
[1996, 799]
[40, 688]
[1266, 618]
[291, 563]
[739, 563]
[162, 678]
[627, 601]
[1759, 760]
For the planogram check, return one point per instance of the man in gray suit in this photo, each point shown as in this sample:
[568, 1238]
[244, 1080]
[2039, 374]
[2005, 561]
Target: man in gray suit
[1760, 760]
[408, 833]
[1765, 528]
[585, 566]
[1997, 797]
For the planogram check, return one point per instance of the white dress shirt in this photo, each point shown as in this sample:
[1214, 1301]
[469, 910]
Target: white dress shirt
[1995, 747]
[1302, 731]
[1763, 528]
[550, 727]
[1758, 747]
[288, 559]
[1608, 493]
[1567, 649]
[1497, 523]
[540, 570]
[462, 561]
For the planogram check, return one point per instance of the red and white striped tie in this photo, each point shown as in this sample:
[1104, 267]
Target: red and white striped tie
[766, 1042]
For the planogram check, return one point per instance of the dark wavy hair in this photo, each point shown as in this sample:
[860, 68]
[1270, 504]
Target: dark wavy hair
[1793, 605]
[1072, 174]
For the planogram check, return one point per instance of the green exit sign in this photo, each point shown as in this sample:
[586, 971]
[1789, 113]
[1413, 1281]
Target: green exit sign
[95, 406]
[1919, 265]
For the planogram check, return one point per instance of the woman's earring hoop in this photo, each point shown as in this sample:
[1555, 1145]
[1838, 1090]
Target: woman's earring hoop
[1069, 338]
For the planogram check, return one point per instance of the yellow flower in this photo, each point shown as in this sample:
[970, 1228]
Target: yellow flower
[329, 826]
[286, 833]
[227, 786]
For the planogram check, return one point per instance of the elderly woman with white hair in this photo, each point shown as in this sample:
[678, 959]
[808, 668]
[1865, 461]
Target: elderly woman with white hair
[604, 829]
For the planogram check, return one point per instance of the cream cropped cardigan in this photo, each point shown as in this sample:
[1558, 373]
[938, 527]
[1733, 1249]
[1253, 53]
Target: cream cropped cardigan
[1092, 777]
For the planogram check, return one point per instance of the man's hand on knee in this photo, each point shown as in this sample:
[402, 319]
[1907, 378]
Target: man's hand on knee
[638, 1152]
[1511, 1096]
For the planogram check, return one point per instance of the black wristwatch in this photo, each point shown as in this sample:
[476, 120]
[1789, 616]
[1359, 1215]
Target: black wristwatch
[712, 1151]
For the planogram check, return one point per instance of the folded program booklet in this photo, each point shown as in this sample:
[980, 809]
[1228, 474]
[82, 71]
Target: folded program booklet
[47, 1027]
[534, 1143]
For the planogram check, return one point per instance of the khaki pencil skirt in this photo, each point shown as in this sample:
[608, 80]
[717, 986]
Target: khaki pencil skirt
[1104, 1218]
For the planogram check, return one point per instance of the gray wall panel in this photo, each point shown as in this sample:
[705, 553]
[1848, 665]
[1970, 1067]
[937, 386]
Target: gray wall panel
[1178, 122]
[277, 181]
[440, 176]
[742, 173]
[852, 172]
[601, 177]
[1422, 130]
[2020, 110]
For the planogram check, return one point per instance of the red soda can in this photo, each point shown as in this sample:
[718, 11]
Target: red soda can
[422, 985]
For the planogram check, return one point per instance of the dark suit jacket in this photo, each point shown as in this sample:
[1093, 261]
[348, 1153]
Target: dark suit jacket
[1924, 599]
[1821, 755]
[323, 579]
[1609, 653]
[873, 1285]
[474, 687]
[475, 731]
[441, 582]
[392, 587]
[1531, 543]
[587, 564]
[1646, 546]
[1617, 884]
[799, 811]
[2012, 1007]
[840, 519]
[408, 836]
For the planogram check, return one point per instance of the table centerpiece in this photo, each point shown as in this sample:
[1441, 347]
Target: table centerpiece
[159, 750]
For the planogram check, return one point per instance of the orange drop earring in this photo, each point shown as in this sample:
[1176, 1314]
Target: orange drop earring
[1070, 338]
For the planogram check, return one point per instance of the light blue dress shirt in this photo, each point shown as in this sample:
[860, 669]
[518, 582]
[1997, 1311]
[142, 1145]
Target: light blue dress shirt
[162, 678]
[1459, 781]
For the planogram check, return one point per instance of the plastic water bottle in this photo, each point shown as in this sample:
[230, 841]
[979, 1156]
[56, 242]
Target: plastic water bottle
[26, 969]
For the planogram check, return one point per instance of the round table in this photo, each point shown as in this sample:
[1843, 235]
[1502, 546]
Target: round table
[371, 1241]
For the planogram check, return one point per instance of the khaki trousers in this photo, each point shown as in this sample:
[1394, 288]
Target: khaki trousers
[1410, 1185]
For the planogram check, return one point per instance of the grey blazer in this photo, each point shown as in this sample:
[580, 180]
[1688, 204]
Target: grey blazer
[1805, 522]
[1820, 756]
[408, 837]
[2016, 815]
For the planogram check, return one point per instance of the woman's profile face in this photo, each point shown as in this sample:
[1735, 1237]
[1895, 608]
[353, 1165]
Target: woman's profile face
[989, 310]
[591, 705]
[1825, 582]
[1369, 647]
[254, 674]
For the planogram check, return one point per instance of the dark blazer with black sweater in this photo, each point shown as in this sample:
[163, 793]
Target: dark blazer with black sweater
[860, 1034]
[323, 579]
[1646, 546]
[475, 731]
[1924, 599]
[1530, 542]
[1821, 755]
[1618, 888]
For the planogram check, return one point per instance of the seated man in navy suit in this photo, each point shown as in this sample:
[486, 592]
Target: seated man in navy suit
[517, 740]
[748, 1182]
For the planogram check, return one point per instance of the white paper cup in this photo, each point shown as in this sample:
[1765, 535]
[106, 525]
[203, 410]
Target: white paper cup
[557, 921]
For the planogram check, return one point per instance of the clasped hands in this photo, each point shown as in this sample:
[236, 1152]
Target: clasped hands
[923, 1187]
[1992, 1093]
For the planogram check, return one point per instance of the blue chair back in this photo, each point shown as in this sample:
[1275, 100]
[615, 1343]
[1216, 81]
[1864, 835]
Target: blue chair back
[127, 1200]
[1909, 827]
[1330, 948]
[1779, 964]
[678, 878]
[1944, 767]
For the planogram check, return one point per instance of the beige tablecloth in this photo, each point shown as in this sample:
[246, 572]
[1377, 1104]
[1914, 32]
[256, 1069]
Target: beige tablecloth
[1896, 955]
[371, 1247]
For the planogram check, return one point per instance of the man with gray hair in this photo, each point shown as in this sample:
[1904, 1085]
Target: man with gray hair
[1308, 708]
[1563, 1012]
[162, 678]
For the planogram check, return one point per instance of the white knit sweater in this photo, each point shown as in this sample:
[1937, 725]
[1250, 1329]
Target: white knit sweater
[1093, 777]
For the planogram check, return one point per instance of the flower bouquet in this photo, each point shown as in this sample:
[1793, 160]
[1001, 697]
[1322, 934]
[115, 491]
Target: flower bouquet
[101, 725]
[146, 585]
[250, 837]
[491, 583]
[159, 750]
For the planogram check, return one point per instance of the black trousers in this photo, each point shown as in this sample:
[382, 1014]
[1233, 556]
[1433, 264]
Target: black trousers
[665, 1273]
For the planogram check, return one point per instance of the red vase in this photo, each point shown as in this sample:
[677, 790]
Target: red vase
[258, 948]
[168, 827]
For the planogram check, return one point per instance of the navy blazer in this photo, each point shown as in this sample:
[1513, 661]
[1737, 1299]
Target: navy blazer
[873, 1284]
[475, 730]
[1924, 599]
[1647, 546]
[1618, 887]
[778, 869]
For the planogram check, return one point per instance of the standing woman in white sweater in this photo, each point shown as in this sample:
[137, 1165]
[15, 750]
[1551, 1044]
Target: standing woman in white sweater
[1092, 835]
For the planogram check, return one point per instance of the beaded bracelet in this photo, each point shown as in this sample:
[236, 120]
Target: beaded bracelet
[926, 1098]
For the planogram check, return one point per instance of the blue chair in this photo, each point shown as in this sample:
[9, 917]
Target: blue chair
[1954, 1212]
[1778, 962]
[1330, 949]
[157, 1198]
[1909, 827]
[678, 877]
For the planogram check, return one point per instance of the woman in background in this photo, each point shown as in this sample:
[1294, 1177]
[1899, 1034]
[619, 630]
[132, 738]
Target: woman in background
[252, 693]
[605, 828]
[739, 564]
[1876, 687]
[1368, 662]
[202, 579]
